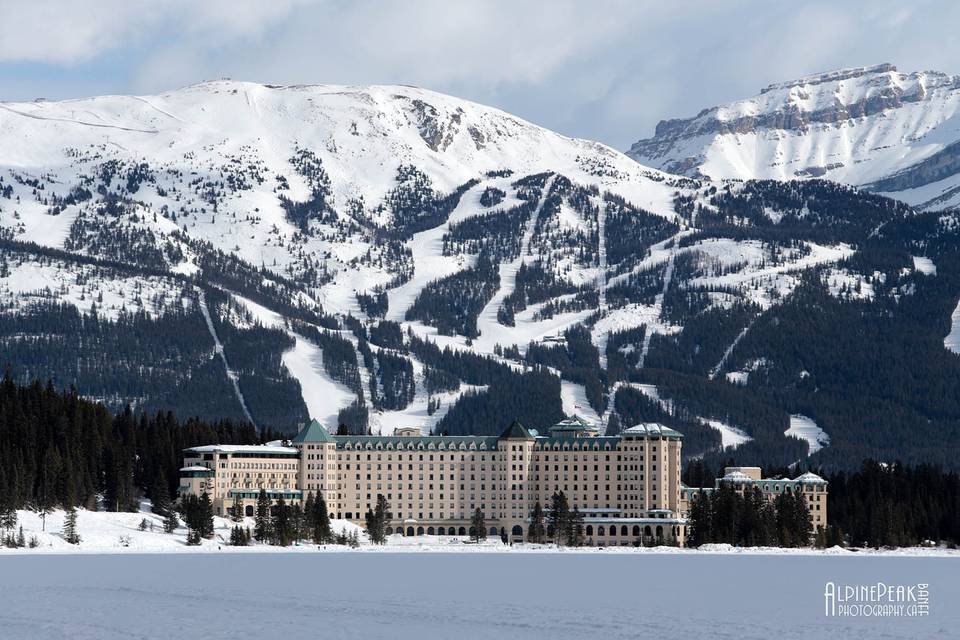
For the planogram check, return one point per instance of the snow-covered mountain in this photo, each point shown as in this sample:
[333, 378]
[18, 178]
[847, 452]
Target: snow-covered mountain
[329, 191]
[874, 127]
[389, 256]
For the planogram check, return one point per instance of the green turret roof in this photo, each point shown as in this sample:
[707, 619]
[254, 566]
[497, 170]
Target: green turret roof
[516, 431]
[313, 432]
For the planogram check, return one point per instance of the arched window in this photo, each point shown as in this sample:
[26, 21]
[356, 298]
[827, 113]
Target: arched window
[389, 531]
[249, 510]
[600, 530]
[493, 531]
[429, 531]
[659, 532]
[419, 531]
[462, 531]
[636, 531]
[441, 531]
[646, 530]
[517, 530]
[613, 529]
[589, 529]
[409, 531]
[623, 530]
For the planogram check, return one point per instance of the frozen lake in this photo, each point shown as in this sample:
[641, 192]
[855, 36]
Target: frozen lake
[457, 595]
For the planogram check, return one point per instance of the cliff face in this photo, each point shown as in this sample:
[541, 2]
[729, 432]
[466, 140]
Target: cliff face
[868, 126]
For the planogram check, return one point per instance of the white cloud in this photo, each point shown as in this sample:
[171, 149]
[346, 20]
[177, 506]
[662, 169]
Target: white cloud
[72, 31]
[605, 69]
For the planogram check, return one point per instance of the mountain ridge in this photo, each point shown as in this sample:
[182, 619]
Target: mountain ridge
[390, 256]
[873, 127]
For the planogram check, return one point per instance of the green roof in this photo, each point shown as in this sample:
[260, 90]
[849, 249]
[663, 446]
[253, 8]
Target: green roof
[313, 432]
[652, 429]
[516, 431]
[573, 423]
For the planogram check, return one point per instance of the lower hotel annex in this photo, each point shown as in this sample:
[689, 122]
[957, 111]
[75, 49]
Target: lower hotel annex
[627, 486]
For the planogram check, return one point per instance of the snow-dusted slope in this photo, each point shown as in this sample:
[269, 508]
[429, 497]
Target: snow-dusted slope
[220, 161]
[313, 232]
[897, 133]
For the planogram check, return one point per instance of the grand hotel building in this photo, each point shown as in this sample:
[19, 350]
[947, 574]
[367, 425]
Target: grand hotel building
[627, 486]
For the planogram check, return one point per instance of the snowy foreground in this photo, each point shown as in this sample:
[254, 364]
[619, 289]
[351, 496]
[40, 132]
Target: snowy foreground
[211, 596]
[107, 532]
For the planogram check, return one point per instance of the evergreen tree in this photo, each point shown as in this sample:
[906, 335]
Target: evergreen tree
[768, 524]
[726, 506]
[699, 520]
[537, 532]
[171, 521]
[237, 537]
[298, 522]
[574, 534]
[237, 515]
[262, 529]
[377, 520]
[786, 530]
[558, 520]
[70, 533]
[478, 526]
[309, 515]
[370, 521]
[160, 495]
[803, 522]
[282, 524]
[321, 521]
[8, 517]
[204, 517]
[613, 425]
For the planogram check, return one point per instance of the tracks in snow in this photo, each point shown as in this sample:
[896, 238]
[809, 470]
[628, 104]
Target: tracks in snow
[98, 125]
[231, 375]
[602, 278]
[726, 354]
[648, 334]
[487, 322]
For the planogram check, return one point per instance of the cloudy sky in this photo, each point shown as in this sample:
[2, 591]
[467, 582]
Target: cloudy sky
[601, 69]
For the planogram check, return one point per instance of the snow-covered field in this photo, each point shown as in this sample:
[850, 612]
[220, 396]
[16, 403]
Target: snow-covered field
[120, 533]
[399, 596]
[805, 428]
[952, 341]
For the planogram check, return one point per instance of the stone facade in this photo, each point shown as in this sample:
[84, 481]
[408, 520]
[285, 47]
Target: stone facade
[627, 486]
[810, 485]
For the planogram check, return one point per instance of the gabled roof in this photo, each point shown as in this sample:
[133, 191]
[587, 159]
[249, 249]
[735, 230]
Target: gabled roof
[809, 478]
[573, 421]
[516, 431]
[575, 424]
[652, 429]
[736, 476]
[313, 432]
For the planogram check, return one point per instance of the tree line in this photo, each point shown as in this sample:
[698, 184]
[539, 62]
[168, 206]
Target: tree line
[58, 449]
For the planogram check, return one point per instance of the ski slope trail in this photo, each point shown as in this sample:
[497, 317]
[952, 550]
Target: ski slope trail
[218, 346]
[429, 262]
[491, 331]
[602, 278]
[726, 354]
[322, 395]
[658, 305]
